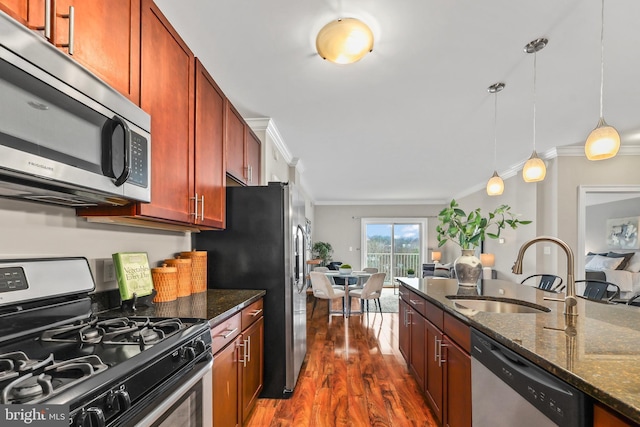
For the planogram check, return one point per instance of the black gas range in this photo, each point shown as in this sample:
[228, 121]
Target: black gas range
[109, 369]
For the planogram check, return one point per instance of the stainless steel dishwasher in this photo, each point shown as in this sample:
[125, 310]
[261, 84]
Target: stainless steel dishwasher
[509, 390]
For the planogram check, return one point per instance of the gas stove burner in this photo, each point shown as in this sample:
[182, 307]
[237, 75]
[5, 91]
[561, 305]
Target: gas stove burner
[83, 332]
[147, 336]
[13, 364]
[57, 376]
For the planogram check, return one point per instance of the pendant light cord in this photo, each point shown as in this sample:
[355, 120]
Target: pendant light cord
[601, 58]
[534, 99]
[495, 132]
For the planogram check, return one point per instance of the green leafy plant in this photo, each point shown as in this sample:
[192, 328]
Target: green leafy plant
[345, 266]
[468, 231]
[411, 271]
[323, 251]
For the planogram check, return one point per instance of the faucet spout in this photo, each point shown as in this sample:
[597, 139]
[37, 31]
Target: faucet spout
[570, 301]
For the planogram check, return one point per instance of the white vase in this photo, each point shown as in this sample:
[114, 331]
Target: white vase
[344, 271]
[468, 268]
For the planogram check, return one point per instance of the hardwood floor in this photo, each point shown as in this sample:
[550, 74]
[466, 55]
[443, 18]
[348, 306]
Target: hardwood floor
[353, 375]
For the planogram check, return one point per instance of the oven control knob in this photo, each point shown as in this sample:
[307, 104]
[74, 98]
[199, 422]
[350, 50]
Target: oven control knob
[92, 417]
[118, 401]
[188, 353]
[200, 346]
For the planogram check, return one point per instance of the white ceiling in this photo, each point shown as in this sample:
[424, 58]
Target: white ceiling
[412, 122]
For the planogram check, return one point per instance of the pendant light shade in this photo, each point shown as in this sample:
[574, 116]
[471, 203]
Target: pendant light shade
[604, 141]
[534, 169]
[495, 185]
[344, 41]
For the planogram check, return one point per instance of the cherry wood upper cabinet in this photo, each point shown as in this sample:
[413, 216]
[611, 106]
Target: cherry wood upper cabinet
[29, 12]
[167, 94]
[209, 157]
[235, 144]
[106, 35]
[253, 148]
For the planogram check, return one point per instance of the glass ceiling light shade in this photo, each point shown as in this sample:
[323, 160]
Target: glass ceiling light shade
[495, 185]
[344, 41]
[604, 141]
[534, 169]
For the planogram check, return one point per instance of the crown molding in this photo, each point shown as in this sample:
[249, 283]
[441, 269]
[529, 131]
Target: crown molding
[408, 202]
[268, 125]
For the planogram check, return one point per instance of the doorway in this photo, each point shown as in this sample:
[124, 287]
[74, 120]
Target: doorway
[394, 245]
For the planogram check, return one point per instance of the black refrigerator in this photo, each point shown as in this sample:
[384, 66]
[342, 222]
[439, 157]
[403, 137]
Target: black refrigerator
[263, 247]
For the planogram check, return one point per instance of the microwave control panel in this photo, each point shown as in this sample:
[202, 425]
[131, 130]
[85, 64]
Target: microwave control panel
[139, 161]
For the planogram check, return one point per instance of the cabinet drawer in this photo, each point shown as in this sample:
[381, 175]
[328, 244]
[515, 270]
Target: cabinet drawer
[417, 303]
[458, 331]
[225, 332]
[252, 313]
[404, 294]
[434, 314]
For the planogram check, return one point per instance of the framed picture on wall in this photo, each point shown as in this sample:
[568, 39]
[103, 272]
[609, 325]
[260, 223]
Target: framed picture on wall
[622, 233]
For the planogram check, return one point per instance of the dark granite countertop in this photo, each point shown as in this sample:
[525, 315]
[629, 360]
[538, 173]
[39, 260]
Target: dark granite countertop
[602, 357]
[215, 305]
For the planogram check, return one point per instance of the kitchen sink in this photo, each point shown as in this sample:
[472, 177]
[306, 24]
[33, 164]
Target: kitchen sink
[474, 304]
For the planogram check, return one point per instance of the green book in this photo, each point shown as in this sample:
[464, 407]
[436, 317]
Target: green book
[133, 274]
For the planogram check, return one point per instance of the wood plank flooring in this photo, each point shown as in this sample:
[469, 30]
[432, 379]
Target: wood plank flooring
[353, 375]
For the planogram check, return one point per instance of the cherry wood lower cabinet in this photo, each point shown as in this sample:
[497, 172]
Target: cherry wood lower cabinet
[603, 416]
[444, 343]
[238, 365]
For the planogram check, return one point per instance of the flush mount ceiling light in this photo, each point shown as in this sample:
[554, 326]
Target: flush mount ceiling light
[495, 186]
[344, 41]
[534, 169]
[604, 141]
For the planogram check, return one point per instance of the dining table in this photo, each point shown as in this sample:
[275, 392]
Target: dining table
[361, 277]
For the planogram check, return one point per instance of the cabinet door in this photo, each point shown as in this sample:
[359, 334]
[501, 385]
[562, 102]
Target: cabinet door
[209, 150]
[404, 338]
[417, 360]
[457, 385]
[225, 386]
[167, 95]
[252, 372]
[235, 144]
[253, 147]
[434, 382]
[106, 40]
[29, 12]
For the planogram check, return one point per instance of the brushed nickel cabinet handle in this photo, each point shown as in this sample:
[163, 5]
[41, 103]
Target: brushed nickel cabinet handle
[202, 208]
[72, 21]
[195, 209]
[231, 332]
[256, 312]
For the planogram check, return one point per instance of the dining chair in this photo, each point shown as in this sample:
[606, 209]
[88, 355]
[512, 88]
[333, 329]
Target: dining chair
[322, 289]
[321, 269]
[599, 290]
[370, 270]
[548, 282]
[372, 290]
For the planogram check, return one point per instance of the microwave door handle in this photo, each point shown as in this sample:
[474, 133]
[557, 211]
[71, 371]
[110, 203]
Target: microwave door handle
[126, 171]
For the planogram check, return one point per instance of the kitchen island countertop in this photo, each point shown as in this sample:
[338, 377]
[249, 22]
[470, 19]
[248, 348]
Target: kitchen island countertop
[599, 354]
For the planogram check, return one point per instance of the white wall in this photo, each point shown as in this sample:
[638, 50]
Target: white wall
[341, 226]
[31, 230]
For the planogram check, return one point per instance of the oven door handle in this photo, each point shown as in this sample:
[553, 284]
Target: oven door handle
[203, 374]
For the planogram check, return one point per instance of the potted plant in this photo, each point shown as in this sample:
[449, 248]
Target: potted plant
[345, 269]
[323, 251]
[469, 231]
[411, 272]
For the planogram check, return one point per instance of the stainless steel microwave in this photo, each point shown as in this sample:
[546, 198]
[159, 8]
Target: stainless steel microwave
[66, 137]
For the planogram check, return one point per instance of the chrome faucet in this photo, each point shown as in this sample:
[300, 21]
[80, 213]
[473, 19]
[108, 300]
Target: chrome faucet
[570, 300]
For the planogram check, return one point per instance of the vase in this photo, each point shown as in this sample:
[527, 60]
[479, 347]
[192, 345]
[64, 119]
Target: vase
[345, 271]
[468, 268]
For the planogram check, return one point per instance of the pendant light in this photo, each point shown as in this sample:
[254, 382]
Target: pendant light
[344, 41]
[495, 185]
[534, 169]
[604, 141]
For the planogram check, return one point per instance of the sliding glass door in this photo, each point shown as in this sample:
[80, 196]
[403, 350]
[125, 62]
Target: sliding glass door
[394, 245]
